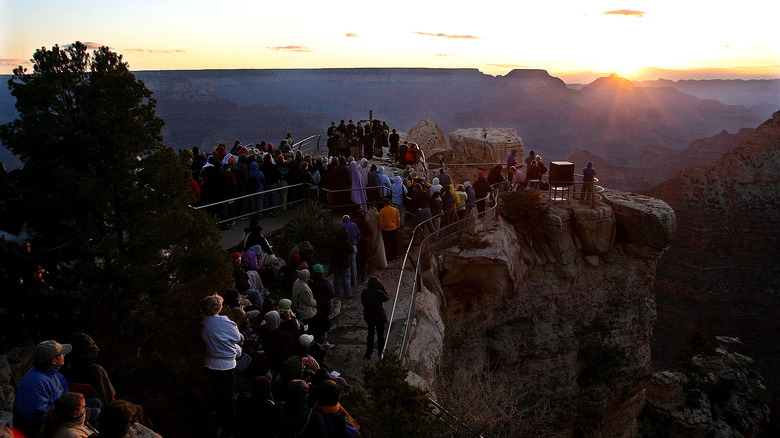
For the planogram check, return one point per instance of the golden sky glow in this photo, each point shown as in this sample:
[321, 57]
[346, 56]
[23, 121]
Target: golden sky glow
[575, 40]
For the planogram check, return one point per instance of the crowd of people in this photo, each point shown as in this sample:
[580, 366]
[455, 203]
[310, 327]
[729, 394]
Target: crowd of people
[267, 336]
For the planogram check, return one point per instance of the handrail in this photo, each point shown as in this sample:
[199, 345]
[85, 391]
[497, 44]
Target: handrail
[262, 193]
[437, 234]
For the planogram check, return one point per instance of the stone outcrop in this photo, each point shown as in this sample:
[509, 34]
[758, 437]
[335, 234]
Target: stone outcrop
[533, 312]
[485, 145]
[429, 136]
[719, 395]
[722, 267]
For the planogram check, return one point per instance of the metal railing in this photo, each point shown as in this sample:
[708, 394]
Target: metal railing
[265, 208]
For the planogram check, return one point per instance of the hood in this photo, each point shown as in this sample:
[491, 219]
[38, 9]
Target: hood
[254, 167]
[381, 170]
[303, 275]
[435, 181]
[374, 283]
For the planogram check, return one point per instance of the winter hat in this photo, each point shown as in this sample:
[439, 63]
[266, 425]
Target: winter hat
[306, 340]
[481, 174]
[318, 268]
[285, 305]
[467, 184]
[236, 256]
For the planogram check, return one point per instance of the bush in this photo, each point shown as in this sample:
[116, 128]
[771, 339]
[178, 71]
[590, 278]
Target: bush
[308, 222]
[524, 209]
[390, 406]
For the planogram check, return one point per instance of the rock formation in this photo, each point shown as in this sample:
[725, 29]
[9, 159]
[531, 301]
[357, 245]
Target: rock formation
[719, 394]
[721, 274]
[486, 146]
[562, 313]
[429, 136]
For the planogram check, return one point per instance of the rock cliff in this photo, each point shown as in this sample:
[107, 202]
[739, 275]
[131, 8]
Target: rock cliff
[560, 316]
[721, 275]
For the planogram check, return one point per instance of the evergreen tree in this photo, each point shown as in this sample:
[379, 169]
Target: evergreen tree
[118, 253]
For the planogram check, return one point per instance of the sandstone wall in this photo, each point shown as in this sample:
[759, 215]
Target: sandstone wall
[526, 309]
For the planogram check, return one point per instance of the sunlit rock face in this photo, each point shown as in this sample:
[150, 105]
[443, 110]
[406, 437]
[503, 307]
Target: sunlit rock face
[564, 312]
[429, 136]
[721, 274]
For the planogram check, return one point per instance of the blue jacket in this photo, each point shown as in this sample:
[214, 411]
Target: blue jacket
[37, 391]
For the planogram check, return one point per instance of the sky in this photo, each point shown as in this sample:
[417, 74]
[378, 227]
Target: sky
[575, 40]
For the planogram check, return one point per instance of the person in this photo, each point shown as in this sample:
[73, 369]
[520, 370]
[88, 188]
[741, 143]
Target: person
[460, 208]
[436, 207]
[389, 223]
[471, 197]
[340, 256]
[338, 422]
[373, 185]
[481, 191]
[302, 298]
[444, 178]
[421, 205]
[372, 298]
[68, 418]
[256, 185]
[122, 419]
[377, 246]
[223, 347]
[363, 245]
[40, 387]
[435, 187]
[256, 413]
[323, 294]
[394, 139]
[358, 193]
[511, 162]
[495, 175]
[353, 237]
[272, 176]
[297, 417]
[398, 198]
[588, 177]
[80, 368]
[448, 207]
[534, 176]
[518, 179]
[531, 158]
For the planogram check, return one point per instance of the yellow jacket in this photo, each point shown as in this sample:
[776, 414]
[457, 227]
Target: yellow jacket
[389, 218]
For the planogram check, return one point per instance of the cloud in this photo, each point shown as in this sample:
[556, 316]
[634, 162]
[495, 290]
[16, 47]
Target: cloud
[448, 36]
[156, 50]
[627, 12]
[90, 45]
[444, 54]
[290, 48]
[352, 35]
[11, 62]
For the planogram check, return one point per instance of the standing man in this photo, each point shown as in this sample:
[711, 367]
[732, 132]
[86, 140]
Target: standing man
[389, 222]
[481, 191]
[588, 177]
[374, 314]
[353, 237]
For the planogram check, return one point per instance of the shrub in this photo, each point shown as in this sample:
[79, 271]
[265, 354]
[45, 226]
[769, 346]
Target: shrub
[308, 222]
[524, 209]
[390, 406]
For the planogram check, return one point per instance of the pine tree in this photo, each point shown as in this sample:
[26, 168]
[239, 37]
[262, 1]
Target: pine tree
[119, 253]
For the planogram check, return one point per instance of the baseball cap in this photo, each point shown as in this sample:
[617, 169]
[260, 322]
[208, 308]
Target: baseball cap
[48, 350]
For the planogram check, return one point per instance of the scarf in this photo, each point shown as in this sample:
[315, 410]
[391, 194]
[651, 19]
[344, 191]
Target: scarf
[338, 409]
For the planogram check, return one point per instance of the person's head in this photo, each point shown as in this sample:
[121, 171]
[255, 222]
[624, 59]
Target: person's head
[513, 169]
[590, 163]
[341, 234]
[345, 218]
[481, 175]
[538, 158]
[385, 201]
[417, 187]
[70, 406]
[531, 154]
[50, 354]
[327, 393]
[460, 188]
[212, 305]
